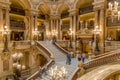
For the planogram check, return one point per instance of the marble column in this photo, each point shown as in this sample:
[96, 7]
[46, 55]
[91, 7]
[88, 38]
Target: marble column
[7, 19]
[57, 21]
[74, 27]
[60, 30]
[36, 27]
[78, 23]
[1, 23]
[51, 26]
[96, 18]
[31, 27]
[102, 25]
[71, 26]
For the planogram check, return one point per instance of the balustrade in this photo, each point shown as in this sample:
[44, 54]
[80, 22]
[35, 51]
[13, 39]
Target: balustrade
[86, 10]
[18, 11]
[114, 56]
[21, 44]
[48, 65]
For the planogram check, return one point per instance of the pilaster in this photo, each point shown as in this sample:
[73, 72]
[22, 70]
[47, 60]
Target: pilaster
[73, 22]
[99, 8]
[31, 23]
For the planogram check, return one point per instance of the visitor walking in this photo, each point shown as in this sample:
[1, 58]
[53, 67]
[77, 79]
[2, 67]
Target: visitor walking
[83, 57]
[68, 61]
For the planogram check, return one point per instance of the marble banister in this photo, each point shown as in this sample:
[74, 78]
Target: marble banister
[109, 58]
[49, 63]
[21, 44]
[74, 75]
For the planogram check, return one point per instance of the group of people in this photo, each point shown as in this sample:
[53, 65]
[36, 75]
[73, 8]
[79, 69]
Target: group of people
[82, 57]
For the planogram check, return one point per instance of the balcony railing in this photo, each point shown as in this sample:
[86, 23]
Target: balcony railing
[17, 25]
[112, 21]
[18, 11]
[21, 44]
[86, 10]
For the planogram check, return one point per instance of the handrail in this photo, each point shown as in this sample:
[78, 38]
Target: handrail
[60, 48]
[107, 53]
[111, 74]
[47, 65]
[74, 75]
[102, 60]
[99, 60]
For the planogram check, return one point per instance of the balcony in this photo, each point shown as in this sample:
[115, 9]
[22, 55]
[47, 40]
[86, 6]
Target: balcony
[86, 10]
[17, 25]
[17, 11]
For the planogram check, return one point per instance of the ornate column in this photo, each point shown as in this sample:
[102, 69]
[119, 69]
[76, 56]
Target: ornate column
[51, 25]
[99, 8]
[60, 29]
[96, 18]
[1, 23]
[36, 27]
[31, 23]
[73, 22]
[57, 27]
[7, 19]
[102, 26]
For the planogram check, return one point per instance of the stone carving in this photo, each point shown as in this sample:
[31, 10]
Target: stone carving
[27, 28]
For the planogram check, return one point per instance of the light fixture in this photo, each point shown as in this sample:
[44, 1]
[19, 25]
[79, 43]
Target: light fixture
[58, 74]
[16, 58]
[70, 31]
[113, 9]
[54, 32]
[35, 32]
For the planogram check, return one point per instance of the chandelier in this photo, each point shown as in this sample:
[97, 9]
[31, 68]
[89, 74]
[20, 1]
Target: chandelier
[58, 74]
[16, 61]
[113, 9]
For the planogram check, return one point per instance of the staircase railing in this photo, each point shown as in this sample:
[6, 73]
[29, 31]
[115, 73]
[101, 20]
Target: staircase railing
[102, 59]
[61, 49]
[113, 56]
[74, 75]
[50, 63]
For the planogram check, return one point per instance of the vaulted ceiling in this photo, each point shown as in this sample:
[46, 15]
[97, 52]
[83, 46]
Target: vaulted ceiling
[45, 5]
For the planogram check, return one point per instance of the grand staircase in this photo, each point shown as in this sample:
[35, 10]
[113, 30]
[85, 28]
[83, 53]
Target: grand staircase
[60, 61]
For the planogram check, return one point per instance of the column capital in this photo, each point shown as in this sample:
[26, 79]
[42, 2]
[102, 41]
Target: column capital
[55, 16]
[31, 12]
[5, 4]
[73, 12]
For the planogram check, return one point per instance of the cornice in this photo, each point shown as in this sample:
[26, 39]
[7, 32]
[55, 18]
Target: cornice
[99, 5]
[5, 5]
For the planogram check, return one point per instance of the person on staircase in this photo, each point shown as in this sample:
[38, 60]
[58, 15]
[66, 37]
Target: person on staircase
[68, 61]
